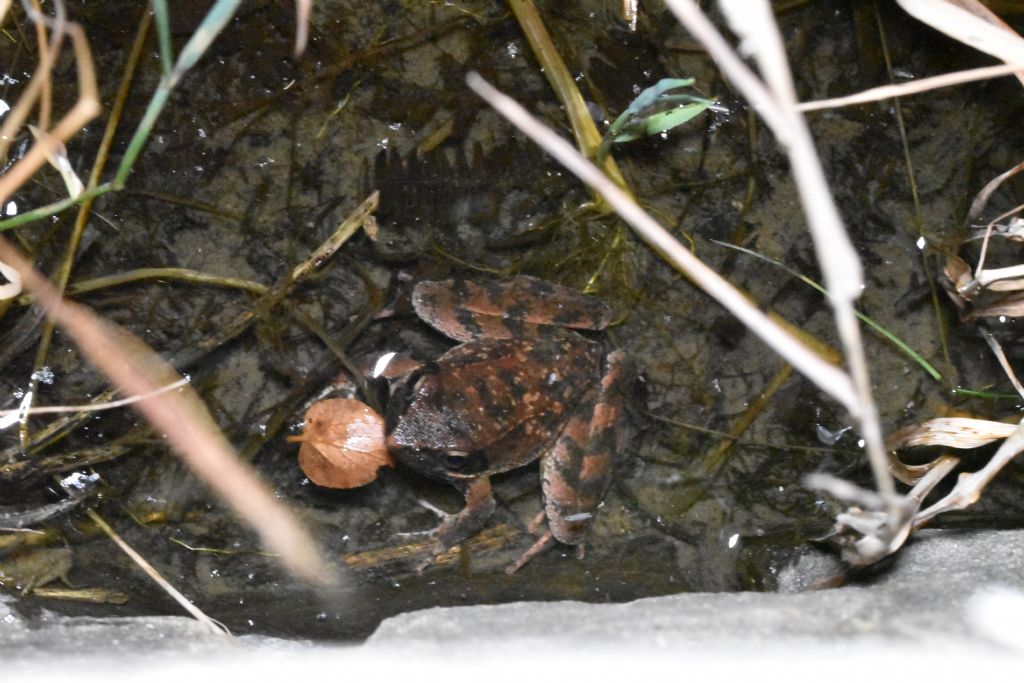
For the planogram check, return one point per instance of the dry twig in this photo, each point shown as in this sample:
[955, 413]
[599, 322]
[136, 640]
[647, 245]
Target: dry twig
[152, 573]
[183, 420]
[775, 101]
[828, 377]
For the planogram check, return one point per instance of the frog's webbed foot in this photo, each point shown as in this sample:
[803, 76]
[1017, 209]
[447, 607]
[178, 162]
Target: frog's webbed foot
[542, 544]
[456, 528]
[546, 540]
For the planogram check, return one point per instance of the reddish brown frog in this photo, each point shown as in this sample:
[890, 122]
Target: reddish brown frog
[521, 386]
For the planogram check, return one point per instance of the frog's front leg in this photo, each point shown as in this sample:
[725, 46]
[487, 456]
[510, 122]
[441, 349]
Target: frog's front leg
[479, 508]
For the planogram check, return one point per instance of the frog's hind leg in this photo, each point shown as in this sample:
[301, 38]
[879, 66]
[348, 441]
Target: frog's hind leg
[577, 471]
[571, 491]
[561, 476]
[466, 310]
[574, 479]
[536, 525]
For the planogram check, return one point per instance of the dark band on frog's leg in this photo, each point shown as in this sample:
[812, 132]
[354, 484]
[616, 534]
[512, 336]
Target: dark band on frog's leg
[436, 303]
[459, 309]
[577, 471]
[469, 324]
[561, 306]
[620, 372]
[467, 310]
[574, 478]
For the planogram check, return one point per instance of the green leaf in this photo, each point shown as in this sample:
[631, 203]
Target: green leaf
[649, 97]
[663, 121]
[653, 111]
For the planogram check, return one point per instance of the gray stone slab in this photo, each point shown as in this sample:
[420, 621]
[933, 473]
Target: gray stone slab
[953, 606]
[946, 587]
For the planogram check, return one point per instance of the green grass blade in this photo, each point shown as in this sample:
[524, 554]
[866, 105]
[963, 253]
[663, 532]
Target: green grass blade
[214, 21]
[163, 32]
[54, 208]
[899, 343]
[988, 395]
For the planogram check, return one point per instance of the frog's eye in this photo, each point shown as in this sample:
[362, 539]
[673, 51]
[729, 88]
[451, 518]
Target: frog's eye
[464, 463]
[456, 459]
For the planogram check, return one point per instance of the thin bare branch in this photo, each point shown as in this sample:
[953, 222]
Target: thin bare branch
[184, 421]
[1008, 279]
[152, 573]
[981, 200]
[828, 377]
[971, 23]
[989, 228]
[969, 486]
[302, 10]
[869, 530]
[91, 407]
[1004, 362]
[48, 51]
[85, 109]
[919, 85]
[355, 220]
[754, 22]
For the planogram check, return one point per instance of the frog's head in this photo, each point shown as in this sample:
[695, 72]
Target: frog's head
[422, 432]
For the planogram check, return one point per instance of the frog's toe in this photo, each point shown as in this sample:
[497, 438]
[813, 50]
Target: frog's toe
[536, 525]
[434, 552]
[424, 564]
[542, 544]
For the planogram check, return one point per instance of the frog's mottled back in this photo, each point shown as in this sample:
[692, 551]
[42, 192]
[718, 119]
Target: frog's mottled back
[520, 387]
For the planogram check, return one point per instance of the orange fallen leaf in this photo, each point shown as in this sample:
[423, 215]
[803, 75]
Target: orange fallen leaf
[343, 444]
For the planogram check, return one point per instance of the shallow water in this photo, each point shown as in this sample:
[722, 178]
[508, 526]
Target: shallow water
[257, 158]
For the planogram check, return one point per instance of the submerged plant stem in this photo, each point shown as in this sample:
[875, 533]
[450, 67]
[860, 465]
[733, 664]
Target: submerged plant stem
[150, 571]
[588, 139]
[179, 274]
[54, 208]
[933, 286]
[870, 322]
[775, 100]
[63, 274]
